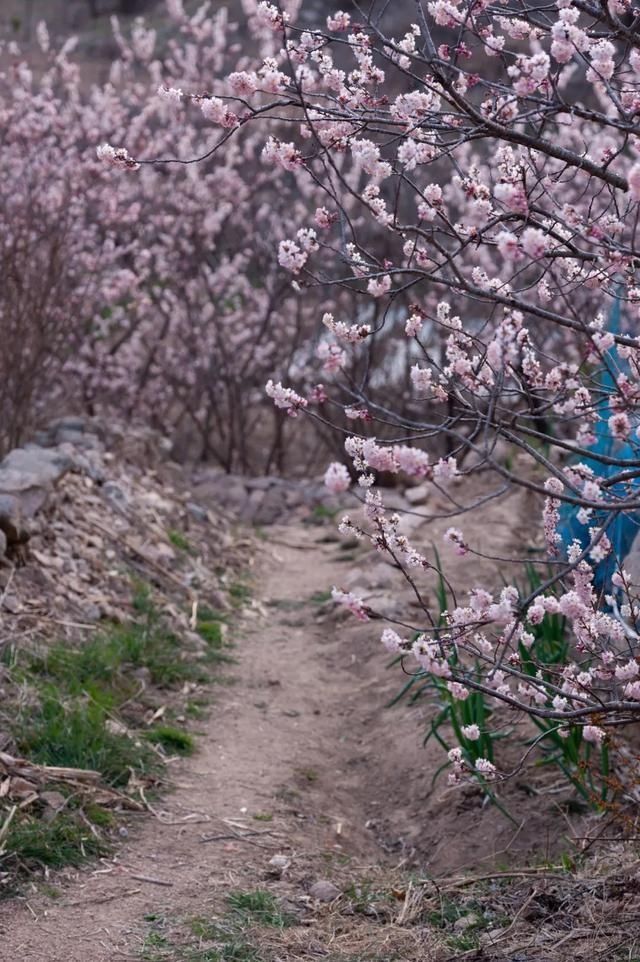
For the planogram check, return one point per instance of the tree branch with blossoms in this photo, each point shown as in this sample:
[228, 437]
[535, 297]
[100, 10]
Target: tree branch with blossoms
[480, 185]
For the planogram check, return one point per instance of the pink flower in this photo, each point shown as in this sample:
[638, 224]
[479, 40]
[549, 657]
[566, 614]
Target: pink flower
[534, 242]
[391, 641]
[472, 732]
[286, 398]
[628, 671]
[593, 734]
[243, 83]
[414, 325]
[485, 768]
[323, 218]
[507, 244]
[378, 286]
[173, 95]
[454, 536]
[291, 257]
[446, 469]
[269, 15]
[339, 21]
[421, 378]
[286, 155]
[215, 109]
[620, 425]
[116, 157]
[350, 601]
[337, 478]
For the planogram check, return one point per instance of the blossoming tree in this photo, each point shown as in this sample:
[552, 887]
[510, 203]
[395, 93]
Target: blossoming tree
[484, 167]
[157, 295]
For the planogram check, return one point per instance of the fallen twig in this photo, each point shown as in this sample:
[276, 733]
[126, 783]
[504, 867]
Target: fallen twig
[6, 824]
[101, 900]
[150, 879]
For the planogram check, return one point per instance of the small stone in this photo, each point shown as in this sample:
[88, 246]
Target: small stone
[278, 865]
[54, 800]
[115, 495]
[196, 511]
[324, 891]
[11, 604]
[92, 612]
[3, 544]
[466, 922]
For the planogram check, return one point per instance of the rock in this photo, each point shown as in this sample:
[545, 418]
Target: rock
[114, 493]
[324, 891]
[32, 466]
[54, 800]
[142, 674]
[466, 922]
[84, 463]
[418, 495]
[92, 612]
[3, 544]
[218, 600]
[11, 523]
[29, 473]
[278, 865]
[260, 484]
[11, 604]
[197, 512]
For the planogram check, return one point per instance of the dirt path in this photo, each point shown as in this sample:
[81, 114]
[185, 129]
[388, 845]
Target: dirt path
[280, 755]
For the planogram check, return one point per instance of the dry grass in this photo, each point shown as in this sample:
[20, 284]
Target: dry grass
[589, 913]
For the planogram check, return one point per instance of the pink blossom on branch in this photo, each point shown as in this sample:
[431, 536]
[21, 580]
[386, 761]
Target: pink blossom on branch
[337, 478]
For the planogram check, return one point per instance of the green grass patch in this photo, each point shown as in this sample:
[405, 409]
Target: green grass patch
[228, 943]
[172, 740]
[77, 735]
[180, 541]
[239, 593]
[258, 907]
[211, 632]
[65, 840]
[230, 937]
[104, 667]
